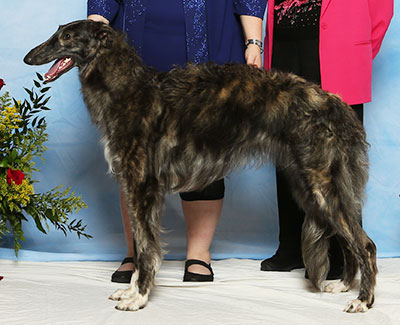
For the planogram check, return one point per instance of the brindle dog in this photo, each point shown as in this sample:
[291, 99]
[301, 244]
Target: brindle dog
[179, 131]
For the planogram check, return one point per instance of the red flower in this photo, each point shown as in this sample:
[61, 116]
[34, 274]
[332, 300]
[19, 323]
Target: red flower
[2, 83]
[15, 175]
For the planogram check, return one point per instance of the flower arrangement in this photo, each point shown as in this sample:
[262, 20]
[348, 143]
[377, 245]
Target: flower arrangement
[22, 138]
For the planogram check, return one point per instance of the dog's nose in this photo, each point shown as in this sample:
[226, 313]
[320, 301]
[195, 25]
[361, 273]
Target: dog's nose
[28, 59]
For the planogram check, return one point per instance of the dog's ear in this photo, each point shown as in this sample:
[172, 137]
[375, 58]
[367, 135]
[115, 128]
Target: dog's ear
[103, 35]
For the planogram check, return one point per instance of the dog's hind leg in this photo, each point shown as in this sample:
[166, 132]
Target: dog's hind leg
[364, 254]
[350, 267]
[145, 205]
[359, 251]
[332, 208]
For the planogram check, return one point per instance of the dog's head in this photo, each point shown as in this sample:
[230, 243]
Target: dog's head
[74, 44]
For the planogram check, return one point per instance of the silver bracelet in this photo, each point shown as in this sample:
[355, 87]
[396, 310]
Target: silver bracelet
[255, 42]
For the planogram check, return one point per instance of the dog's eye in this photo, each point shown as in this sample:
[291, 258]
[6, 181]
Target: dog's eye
[66, 36]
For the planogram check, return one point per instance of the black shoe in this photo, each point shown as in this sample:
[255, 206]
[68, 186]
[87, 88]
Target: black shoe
[123, 276]
[195, 277]
[282, 262]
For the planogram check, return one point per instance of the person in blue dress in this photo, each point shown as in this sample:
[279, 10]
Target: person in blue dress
[173, 32]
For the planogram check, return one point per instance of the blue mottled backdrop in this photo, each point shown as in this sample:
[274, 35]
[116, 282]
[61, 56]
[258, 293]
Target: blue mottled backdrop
[249, 225]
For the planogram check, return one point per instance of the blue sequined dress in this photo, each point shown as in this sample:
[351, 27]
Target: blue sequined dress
[167, 32]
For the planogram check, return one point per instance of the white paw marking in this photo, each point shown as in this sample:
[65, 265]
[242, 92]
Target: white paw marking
[356, 306]
[134, 278]
[335, 286]
[124, 293]
[133, 289]
[133, 303]
[120, 294]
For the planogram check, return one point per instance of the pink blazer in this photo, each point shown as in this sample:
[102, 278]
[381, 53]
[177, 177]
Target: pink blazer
[351, 34]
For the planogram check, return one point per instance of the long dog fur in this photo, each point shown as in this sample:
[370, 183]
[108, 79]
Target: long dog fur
[179, 131]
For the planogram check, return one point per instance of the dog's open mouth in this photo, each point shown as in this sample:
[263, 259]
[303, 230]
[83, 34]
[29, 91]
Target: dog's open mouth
[58, 68]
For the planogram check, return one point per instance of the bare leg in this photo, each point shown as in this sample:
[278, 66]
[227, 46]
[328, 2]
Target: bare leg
[201, 220]
[128, 234]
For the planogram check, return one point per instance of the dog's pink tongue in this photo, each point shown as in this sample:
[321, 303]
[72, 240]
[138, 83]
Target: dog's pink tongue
[57, 68]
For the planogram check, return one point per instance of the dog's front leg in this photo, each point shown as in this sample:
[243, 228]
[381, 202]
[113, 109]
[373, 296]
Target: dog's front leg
[145, 209]
[132, 290]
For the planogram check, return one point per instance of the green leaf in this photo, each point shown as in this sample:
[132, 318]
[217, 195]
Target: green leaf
[4, 163]
[15, 103]
[27, 108]
[41, 121]
[30, 92]
[13, 155]
[34, 121]
[51, 215]
[45, 101]
[21, 217]
[37, 83]
[41, 97]
[31, 96]
[43, 90]
[39, 225]
[39, 76]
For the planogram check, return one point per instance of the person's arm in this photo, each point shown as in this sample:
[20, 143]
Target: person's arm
[381, 13]
[251, 14]
[252, 28]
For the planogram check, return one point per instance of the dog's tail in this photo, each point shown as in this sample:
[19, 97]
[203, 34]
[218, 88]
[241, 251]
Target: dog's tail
[315, 238]
[337, 211]
[337, 196]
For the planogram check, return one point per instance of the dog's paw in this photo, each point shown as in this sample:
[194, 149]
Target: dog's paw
[356, 306]
[133, 303]
[335, 286]
[117, 295]
[124, 294]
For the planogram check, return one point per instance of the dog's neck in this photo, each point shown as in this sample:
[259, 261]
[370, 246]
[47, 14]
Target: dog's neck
[113, 75]
[113, 72]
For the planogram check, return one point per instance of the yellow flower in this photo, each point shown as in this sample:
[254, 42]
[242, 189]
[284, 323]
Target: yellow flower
[9, 120]
[17, 196]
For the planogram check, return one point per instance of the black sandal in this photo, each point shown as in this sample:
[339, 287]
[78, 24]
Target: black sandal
[195, 277]
[123, 276]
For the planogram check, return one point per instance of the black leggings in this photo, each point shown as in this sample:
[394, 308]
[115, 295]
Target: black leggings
[214, 191]
[302, 58]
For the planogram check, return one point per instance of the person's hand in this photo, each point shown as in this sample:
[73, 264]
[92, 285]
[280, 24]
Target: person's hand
[99, 18]
[252, 28]
[253, 55]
